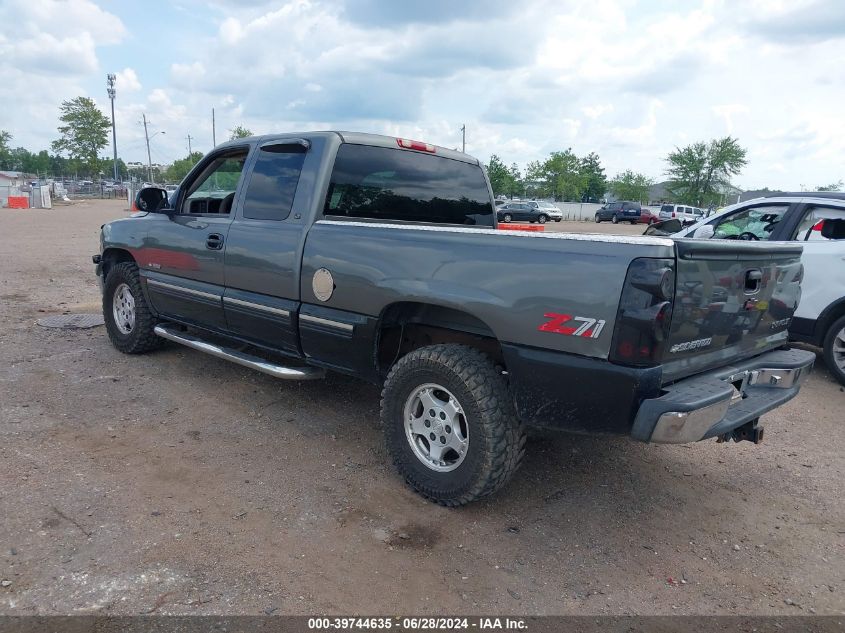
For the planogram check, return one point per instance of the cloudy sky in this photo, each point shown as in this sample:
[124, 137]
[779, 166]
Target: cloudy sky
[628, 80]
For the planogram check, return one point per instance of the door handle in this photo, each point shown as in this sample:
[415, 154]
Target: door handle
[753, 278]
[214, 241]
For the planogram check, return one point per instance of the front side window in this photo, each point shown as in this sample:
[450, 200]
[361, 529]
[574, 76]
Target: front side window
[272, 184]
[213, 191]
[395, 184]
[755, 223]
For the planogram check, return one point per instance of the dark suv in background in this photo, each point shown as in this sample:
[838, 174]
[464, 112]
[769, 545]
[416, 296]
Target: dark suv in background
[619, 212]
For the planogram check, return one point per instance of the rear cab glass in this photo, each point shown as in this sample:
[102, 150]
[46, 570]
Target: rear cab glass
[387, 184]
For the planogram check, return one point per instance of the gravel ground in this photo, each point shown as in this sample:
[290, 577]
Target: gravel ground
[176, 483]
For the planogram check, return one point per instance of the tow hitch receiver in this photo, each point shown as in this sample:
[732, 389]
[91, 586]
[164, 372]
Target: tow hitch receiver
[748, 431]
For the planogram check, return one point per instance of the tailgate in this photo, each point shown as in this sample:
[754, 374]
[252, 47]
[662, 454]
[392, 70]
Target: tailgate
[733, 300]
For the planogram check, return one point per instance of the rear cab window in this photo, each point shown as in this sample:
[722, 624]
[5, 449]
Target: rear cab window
[387, 184]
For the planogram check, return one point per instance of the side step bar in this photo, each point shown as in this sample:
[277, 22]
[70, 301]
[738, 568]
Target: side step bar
[241, 358]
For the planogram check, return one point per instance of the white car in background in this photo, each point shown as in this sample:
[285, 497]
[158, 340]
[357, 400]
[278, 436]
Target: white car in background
[548, 208]
[685, 213]
[817, 220]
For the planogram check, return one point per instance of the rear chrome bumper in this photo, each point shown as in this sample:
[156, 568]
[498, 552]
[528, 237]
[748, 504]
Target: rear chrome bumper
[719, 401]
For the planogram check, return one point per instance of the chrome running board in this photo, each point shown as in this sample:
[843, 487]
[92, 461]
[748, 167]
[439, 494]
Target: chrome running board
[241, 358]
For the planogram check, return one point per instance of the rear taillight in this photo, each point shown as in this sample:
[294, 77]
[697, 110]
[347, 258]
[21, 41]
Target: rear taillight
[645, 312]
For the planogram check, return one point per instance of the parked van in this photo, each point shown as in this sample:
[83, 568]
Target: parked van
[686, 214]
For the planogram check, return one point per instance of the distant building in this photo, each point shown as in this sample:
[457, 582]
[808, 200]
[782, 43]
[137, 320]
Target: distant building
[15, 178]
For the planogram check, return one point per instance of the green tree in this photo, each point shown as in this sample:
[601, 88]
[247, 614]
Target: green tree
[499, 176]
[122, 170]
[84, 133]
[180, 168]
[39, 163]
[5, 138]
[698, 172]
[516, 186]
[534, 184]
[561, 174]
[834, 186]
[630, 185]
[595, 182]
[239, 131]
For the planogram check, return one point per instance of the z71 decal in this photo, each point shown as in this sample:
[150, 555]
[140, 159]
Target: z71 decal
[578, 326]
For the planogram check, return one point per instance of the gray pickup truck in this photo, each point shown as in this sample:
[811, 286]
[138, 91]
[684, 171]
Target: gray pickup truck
[381, 258]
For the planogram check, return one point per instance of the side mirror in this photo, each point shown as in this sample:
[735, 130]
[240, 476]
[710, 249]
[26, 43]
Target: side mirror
[704, 232]
[151, 199]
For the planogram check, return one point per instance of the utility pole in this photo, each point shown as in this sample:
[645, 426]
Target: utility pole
[110, 79]
[213, 130]
[149, 160]
[464, 138]
[189, 145]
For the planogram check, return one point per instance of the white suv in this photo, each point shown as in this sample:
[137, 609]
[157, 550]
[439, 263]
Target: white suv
[685, 213]
[817, 220]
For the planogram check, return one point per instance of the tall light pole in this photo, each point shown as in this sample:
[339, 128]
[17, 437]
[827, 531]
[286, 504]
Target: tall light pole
[110, 79]
[464, 138]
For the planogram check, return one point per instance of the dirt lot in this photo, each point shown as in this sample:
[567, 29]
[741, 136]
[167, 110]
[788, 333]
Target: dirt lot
[178, 483]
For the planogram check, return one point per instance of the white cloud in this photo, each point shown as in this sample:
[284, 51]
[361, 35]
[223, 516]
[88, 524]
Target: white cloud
[127, 81]
[597, 110]
[49, 52]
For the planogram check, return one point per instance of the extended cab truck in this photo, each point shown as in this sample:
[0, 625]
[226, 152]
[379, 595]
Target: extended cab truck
[381, 258]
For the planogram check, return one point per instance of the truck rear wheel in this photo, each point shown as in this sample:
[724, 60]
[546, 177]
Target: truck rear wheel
[450, 425]
[129, 320]
[834, 349]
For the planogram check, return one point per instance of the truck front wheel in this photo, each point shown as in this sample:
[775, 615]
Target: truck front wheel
[450, 425]
[834, 349]
[129, 320]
